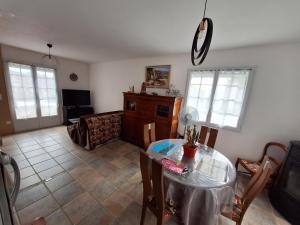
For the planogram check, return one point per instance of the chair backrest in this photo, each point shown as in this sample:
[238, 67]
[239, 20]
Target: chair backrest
[276, 152]
[213, 133]
[256, 184]
[149, 134]
[153, 181]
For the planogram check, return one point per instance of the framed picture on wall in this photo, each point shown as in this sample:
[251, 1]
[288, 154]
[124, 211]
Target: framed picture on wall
[158, 76]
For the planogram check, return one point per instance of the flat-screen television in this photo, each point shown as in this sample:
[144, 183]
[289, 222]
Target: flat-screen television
[76, 97]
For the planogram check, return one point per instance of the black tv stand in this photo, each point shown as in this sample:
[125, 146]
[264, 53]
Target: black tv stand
[71, 112]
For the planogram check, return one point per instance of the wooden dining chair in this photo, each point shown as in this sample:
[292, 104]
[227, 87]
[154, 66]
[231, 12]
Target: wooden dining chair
[276, 153]
[213, 133]
[149, 134]
[153, 190]
[254, 187]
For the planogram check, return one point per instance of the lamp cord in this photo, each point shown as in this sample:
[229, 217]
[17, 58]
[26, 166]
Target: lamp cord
[204, 8]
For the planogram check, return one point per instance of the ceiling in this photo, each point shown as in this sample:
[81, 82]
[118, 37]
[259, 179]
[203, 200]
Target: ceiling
[103, 30]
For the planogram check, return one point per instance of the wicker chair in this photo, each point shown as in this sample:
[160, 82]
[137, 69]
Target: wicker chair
[254, 187]
[276, 153]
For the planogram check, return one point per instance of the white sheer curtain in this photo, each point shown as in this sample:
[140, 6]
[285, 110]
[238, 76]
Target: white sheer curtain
[22, 87]
[218, 95]
[200, 92]
[46, 85]
[229, 97]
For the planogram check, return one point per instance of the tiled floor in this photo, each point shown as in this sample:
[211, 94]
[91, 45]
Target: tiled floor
[69, 185]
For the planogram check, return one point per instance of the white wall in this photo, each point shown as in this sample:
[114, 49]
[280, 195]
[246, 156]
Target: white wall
[273, 112]
[63, 70]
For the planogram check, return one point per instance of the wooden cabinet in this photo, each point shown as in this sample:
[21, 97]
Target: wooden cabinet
[141, 109]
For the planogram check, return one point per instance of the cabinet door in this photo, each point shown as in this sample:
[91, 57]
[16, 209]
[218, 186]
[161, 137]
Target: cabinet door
[133, 130]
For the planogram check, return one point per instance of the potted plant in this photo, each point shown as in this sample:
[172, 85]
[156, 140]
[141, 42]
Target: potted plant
[190, 147]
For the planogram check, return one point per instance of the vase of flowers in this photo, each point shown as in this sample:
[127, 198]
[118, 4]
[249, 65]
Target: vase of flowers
[190, 147]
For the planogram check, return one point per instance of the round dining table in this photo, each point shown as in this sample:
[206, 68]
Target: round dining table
[206, 186]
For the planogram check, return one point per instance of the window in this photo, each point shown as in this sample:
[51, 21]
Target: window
[46, 85]
[22, 86]
[219, 95]
[33, 90]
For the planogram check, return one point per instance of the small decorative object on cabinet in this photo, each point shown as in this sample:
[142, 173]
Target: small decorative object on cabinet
[158, 76]
[143, 88]
[131, 89]
[142, 109]
[172, 91]
[190, 148]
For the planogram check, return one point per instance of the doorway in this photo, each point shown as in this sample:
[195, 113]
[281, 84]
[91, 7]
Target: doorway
[33, 95]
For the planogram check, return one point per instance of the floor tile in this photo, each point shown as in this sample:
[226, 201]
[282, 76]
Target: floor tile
[80, 207]
[67, 193]
[81, 171]
[85, 156]
[26, 172]
[27, 143]
[19, 158]
[103, 190]
[105, 169]
[117, 202]
[89, 182]
[44, 165]
[120, 162]
[40, 208]
[118, 178]
[31, 148]
[46, 174]
[131, 216]
[38, 159]
[69, 165]
[29, 196]
[65, 157]
[23, 164]
[47, 143]
[133, 156]
[29, 181]
[58, 152]
[58, 218]
[34, 153]
[59, 181]
[97, 217]
[53, 147]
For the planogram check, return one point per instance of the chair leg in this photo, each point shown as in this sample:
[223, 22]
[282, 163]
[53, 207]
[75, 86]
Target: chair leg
[160, 221]
[144, 210]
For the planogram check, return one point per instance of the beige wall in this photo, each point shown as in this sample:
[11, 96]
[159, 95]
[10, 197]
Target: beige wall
[6, 126]
[273, 111]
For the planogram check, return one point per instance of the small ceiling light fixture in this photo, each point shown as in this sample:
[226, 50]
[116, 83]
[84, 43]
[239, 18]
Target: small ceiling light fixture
[48, 59]
[203, 34]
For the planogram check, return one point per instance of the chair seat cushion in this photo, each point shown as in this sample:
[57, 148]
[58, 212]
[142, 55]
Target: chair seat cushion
[250, 166]
[237, 201]
[235, 214]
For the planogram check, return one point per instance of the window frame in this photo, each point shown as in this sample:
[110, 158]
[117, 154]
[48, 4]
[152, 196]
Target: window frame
[34, 73]
[216, 71]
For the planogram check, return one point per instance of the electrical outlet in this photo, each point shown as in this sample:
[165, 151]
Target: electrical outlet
[8, 122]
